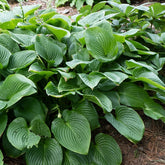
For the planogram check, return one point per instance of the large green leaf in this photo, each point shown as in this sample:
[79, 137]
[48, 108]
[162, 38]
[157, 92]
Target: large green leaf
[92, 79]
[87, 109]
[52, 90]
[7, 42]
[127, 122]
[39, 127]
[3, 121]
[105, 151]
[72, 131]
[22, 59]
[48, 152]
[58, 31]
[99, 98]
[48, 50]
[29, 108]
[20, 136]
[72, 158]
[4, 57]
[1, 158]
[101, 43]
[135, 96]
[15, 87]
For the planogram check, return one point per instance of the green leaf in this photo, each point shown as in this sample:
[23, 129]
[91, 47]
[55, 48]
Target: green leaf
[48, 50]
[127, 122]
[72, 131]
[149, 77]
[7, 42]
[72, 64]
[60, 2]
[58, 31]
[4, 57]
[92, 18]
[1, 158]
[105, 151]
[52, 90]
[101, 43]
[39, 127]
[22, 59]
[14, 87]
[98, 98]
[74, 158]
[29, 108]
[116, 77]
[92, 79]
[48, 152]
[3, 121]
[87, 109]
[20, 136]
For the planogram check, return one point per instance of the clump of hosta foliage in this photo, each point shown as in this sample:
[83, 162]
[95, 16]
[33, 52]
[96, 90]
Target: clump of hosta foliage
[57, 74]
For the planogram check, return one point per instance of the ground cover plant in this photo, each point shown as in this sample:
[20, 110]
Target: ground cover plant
[60, 76]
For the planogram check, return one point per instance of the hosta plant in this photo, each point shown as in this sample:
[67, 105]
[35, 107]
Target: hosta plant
[59, 77]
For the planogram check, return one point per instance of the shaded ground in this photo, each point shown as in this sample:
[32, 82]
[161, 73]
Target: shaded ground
[150, 151]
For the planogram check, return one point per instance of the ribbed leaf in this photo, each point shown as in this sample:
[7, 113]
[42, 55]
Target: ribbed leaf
[127, 122]
[48, 50]
[105, 152]
[52, 90]
[99, 98]
[7, 42]
[72, 158]
[22, 59]
[1, 158]
[15, 87]
[92, 79]
[88, 110]
[48, 152]
[72, 131]
[20, 136]
[92, 18]
[116, 77]
[39, 127]
[57, 31]
[4, 56]
[101, 43]
[72, 64]
[29, 108]
[149, 77]
[3, 122]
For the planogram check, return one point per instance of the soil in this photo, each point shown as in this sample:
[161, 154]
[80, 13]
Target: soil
[149, 151]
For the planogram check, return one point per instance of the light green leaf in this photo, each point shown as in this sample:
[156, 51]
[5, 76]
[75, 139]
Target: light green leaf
[130, 33]
[67, 75]
[116, 77]
[52, 90]
[72, 64]
[7, 42]
[48, 50]
[57, 31]
[14, 87]
[20, 136]
[48, 152]
[92, 18]
[149, 77]
[3, 121]
[131, 47]
[60, 2]
[39, 127]
[127, 122]
[92, 79]
[29, 108]
[22, 59]
[101, 43]
[1, 158]
[72, 131]
[105, 151]
[138, 45]
[4, 57]
[98, 98]
[87, 109]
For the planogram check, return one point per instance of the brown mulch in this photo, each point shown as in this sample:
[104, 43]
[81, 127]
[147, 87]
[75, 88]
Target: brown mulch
[149, 151]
